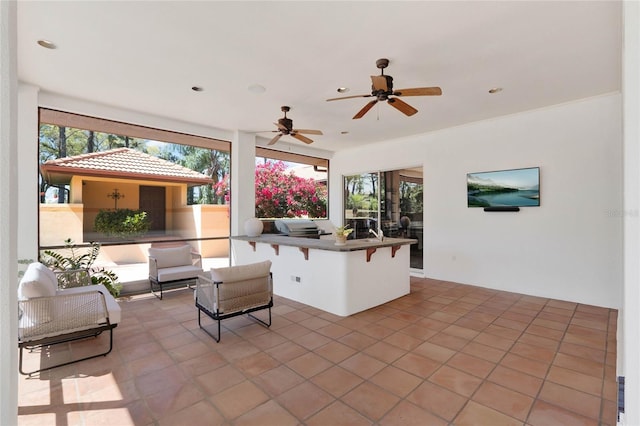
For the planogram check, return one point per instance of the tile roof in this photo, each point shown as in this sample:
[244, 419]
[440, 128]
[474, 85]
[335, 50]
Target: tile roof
[121, 163]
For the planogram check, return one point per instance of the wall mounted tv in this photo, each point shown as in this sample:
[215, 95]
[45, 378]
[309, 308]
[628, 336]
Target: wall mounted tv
[504, 188]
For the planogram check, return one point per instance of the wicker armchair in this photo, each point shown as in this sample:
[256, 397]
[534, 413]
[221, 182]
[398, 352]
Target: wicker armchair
[50, 315]
[173, 265]
[236, 290]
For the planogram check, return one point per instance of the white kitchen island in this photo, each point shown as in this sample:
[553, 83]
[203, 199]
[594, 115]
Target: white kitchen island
[342, 280]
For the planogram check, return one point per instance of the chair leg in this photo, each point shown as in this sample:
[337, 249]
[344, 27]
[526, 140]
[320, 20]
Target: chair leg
[69, 362]
[217, 339]
[151, 281]
[267, 324]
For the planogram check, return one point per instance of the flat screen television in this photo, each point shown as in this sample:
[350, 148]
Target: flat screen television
[504, 188]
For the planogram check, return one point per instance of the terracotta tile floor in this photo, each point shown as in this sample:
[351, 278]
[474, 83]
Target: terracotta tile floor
[445, 354]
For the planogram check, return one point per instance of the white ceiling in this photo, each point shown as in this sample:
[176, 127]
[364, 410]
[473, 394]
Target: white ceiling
[146, 56]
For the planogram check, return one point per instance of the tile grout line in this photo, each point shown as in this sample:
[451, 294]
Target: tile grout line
[497, 363]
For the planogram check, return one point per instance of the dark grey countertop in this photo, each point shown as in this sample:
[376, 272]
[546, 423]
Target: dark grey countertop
[325, 244]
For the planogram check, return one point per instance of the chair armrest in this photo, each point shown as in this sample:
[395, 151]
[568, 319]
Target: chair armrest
[206, 292]
[73, 278]
[153, 267]
[64, 313]
[196, 259]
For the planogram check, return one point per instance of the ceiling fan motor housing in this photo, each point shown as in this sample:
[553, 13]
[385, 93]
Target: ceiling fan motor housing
[286, 122]
[383, 95]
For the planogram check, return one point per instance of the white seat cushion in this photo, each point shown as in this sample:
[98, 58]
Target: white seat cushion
[168, 257]
[241, 272]
[37, 281]
[178, 273]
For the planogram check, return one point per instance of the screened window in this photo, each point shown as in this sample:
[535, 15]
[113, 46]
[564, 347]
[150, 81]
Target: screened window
[290, 185]
[96, 174]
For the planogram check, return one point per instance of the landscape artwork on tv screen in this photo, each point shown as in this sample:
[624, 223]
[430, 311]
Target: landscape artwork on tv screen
[504, 188]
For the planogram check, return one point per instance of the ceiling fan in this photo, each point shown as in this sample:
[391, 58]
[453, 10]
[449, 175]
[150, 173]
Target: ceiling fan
[285, 127]
[382, 89]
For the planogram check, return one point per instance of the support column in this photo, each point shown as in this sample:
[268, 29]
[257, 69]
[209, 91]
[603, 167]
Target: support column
[243, 169]
[8, 214]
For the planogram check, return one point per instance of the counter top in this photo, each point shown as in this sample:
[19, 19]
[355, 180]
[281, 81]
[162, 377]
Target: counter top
[325, 244]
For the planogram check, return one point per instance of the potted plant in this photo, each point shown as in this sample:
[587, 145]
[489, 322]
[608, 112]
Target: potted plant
[341, 233]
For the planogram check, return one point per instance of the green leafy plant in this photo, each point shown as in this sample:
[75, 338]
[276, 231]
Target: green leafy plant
[75, 259]
[122, 223]
[343, 230]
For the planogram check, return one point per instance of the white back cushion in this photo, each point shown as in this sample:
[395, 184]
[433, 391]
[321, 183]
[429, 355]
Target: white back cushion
[37, 281]
[241, 272]
[168, 257]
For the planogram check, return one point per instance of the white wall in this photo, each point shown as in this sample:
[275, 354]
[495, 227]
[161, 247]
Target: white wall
[8, 215]
[629, 320]
[569, 248]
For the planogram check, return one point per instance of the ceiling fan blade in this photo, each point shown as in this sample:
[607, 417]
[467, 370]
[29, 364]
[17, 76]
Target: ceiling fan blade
[419, 91]
[379, 82]
[302, 138]
[307, 131]
[275, 139]
[349, 97]
[402, 106]
[365, 109]
[281, 127]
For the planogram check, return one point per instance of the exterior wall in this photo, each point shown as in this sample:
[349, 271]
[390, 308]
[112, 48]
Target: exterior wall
[198, 221]
[185, 221]
[92, 194]
[95, 198]
[75, 190]
[214, 221]
[64, 221]
[59, 222]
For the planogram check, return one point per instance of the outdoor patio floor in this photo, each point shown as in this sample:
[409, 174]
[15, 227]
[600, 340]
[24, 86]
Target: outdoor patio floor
[445, 354]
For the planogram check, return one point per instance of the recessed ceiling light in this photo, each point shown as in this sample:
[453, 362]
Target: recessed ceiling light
[47, 44]
[257, 89]
[197, 89]
[495, 90]
[343, 89]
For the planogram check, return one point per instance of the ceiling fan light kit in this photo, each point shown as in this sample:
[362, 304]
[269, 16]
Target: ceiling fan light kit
[382, 90]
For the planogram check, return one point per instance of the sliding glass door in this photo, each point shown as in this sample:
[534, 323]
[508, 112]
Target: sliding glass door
[391, 201]
[362, 207]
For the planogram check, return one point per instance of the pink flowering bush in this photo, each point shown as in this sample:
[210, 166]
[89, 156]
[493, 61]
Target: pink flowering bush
[281, 194]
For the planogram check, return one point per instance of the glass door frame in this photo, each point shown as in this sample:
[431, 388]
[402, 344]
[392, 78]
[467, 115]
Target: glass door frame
[363, 222]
